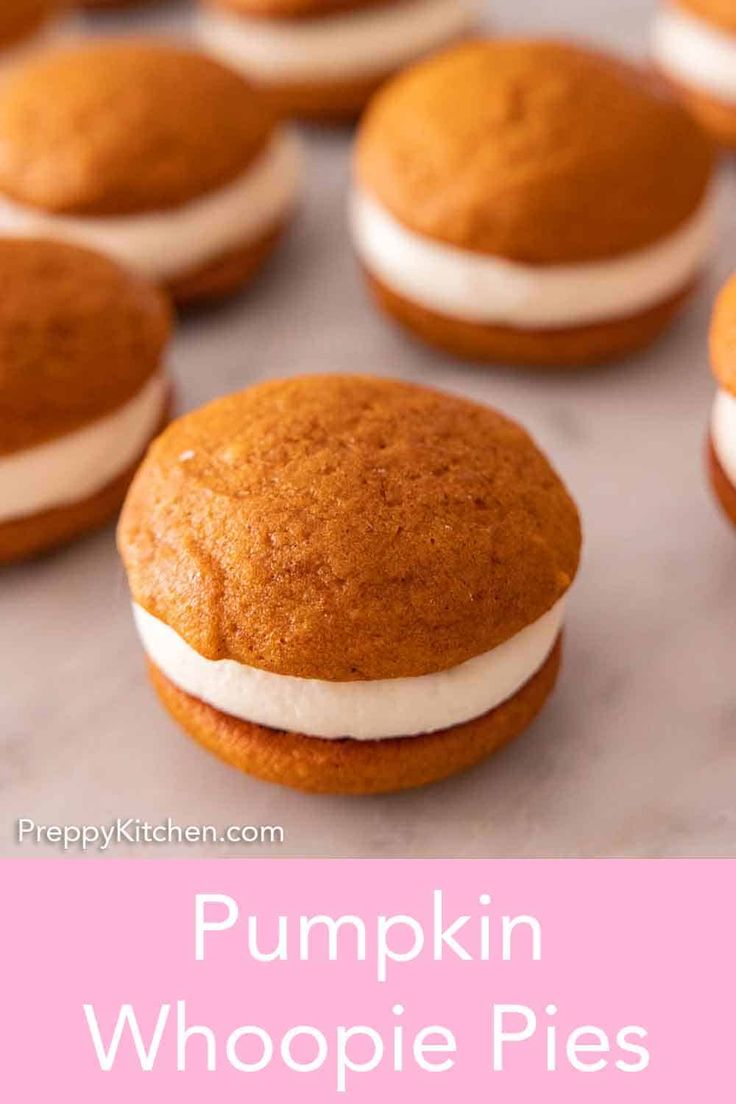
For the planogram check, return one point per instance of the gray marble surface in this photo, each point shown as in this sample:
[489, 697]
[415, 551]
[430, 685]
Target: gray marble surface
[636, 753]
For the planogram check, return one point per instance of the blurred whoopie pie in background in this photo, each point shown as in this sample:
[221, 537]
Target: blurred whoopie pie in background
[531, 202]
[152, 153]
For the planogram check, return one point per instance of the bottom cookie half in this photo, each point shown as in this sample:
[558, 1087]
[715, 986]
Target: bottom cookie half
[585, 345]
[225, 274]
[327, 102]
[356, 766]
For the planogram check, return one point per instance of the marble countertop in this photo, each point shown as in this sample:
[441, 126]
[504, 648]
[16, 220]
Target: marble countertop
[636, 753]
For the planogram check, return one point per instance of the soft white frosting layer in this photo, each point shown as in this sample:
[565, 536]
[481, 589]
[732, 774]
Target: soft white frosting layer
[375, 710]
[347, 44]
[723, 432]
[695, 52]
[484, 289]
[70, 468]
[164, 244]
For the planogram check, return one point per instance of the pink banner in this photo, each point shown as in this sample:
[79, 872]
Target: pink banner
[502, 981]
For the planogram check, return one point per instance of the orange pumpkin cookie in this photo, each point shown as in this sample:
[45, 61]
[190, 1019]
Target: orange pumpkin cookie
[349, 584]
[531, 202]
[82, 389]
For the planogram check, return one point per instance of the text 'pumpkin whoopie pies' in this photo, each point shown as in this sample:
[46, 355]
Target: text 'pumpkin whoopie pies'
[155, 154]
[722, 438]
[82, 389]
[694, 44]
[322, 59]
[347, 584]
[531, 202]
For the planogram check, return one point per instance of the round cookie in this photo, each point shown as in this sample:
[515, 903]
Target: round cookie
[323, 59]
[112, 144]
[722, 435]
[694, 45]
[82, 390]
[348, 584]
[531, 202]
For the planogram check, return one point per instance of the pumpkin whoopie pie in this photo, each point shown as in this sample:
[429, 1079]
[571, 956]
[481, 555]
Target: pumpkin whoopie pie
[722, 437]
[694, 45]
[531, 202]
[82, 389]
[155, 154]
[323, 59]
[347, 584]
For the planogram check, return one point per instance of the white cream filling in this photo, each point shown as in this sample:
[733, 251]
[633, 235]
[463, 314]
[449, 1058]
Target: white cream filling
[695, 53]
[343, 45]
[723, 432]
[164, 244]
[76, 465]
[374, 710]
[491, 290]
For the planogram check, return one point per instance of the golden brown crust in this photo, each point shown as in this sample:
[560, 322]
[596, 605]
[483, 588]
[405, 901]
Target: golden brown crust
[722, 485]
[720, 12]
[346, 527]
[292, 9]
[125, 126]
[226, 274]
[79, 336]
[723, 337]
[356, 766]
[21, 18]
[536, 151]
[568, 348]
[26, 537]
[328, 102]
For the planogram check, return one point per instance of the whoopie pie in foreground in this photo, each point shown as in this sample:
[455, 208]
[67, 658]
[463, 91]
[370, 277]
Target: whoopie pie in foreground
[722, 438]
[347, 584]
[531, 202]
[322, 59]
[152, 153]
[694, 44]
[82, 389]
